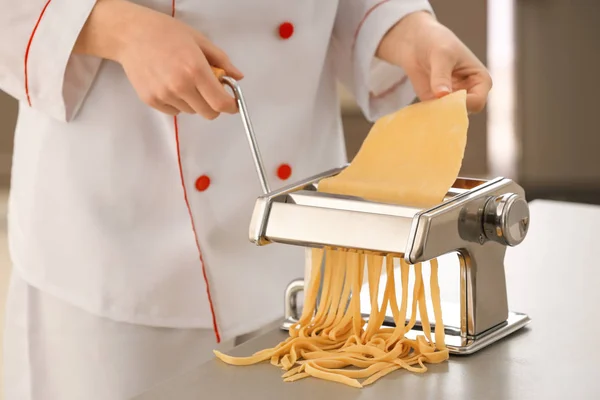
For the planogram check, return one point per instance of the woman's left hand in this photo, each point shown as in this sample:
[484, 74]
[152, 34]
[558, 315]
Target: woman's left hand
[435, 60]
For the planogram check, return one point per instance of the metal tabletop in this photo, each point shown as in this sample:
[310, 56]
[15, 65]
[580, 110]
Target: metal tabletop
[553, 276]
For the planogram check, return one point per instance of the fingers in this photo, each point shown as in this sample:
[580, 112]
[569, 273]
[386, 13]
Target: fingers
[209, 86]
[170, 69]
[196, 90]
[181, 105]
[213, 91]
[199, 104]
[478, 93]
[442, 64]
[468, 73]
[217, 57]
[422, 86]
[165, 109]
[180, 93]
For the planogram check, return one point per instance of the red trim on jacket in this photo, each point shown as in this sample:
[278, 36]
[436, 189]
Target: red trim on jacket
[356, 33]
[26, 60]
[362, 21]
[390, 89]
[189, 209]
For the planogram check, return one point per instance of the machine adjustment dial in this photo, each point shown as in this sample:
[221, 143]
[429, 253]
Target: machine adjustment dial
[506, 219]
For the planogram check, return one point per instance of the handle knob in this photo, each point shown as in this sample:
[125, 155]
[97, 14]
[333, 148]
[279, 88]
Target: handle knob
[506, 219]
[219, 72]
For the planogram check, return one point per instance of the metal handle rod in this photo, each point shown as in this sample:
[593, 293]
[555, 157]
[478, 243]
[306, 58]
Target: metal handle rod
[291, 310]
[258, 163]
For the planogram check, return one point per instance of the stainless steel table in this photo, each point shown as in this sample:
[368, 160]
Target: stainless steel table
[553, 276]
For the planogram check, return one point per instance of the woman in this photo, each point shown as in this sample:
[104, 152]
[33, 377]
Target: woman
[130, 199]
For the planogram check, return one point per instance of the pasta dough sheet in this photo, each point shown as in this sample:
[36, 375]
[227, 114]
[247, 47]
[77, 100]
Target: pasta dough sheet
[411, 157]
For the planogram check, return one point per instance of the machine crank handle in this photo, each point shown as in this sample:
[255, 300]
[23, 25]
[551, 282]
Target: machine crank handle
[250, 135]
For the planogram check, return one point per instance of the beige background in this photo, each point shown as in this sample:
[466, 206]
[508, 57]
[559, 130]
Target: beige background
[8, 114]
[4, 269]
[558, 59]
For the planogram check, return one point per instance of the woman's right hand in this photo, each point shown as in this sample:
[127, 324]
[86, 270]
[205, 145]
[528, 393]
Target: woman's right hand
[167, 62]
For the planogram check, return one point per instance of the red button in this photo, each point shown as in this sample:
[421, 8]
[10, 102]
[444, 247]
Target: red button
[286, 30]
[284, 172]
[202, 183]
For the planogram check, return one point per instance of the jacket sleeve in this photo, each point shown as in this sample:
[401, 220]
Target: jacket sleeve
[36, 64]
[378, 87]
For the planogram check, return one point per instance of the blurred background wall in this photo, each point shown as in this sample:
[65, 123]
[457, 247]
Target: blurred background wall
[557, 107]
[8, 114]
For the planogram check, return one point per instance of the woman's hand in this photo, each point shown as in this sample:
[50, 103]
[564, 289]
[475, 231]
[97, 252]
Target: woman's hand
[167, 62]
[435, 60]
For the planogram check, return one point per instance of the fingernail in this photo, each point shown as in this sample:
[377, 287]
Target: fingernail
[442, 91]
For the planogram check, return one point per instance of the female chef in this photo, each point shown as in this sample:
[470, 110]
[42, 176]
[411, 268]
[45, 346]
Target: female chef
[130, 199]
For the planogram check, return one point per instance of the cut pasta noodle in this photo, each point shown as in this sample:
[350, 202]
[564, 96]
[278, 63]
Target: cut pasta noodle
[332, 340]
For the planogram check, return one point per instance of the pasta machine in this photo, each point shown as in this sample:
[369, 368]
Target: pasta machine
[477, 219]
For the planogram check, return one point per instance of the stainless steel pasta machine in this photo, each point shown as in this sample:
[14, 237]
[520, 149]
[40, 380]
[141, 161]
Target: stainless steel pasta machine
[477, 219]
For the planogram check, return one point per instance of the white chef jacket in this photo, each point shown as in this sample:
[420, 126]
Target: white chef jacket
[140, 217]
